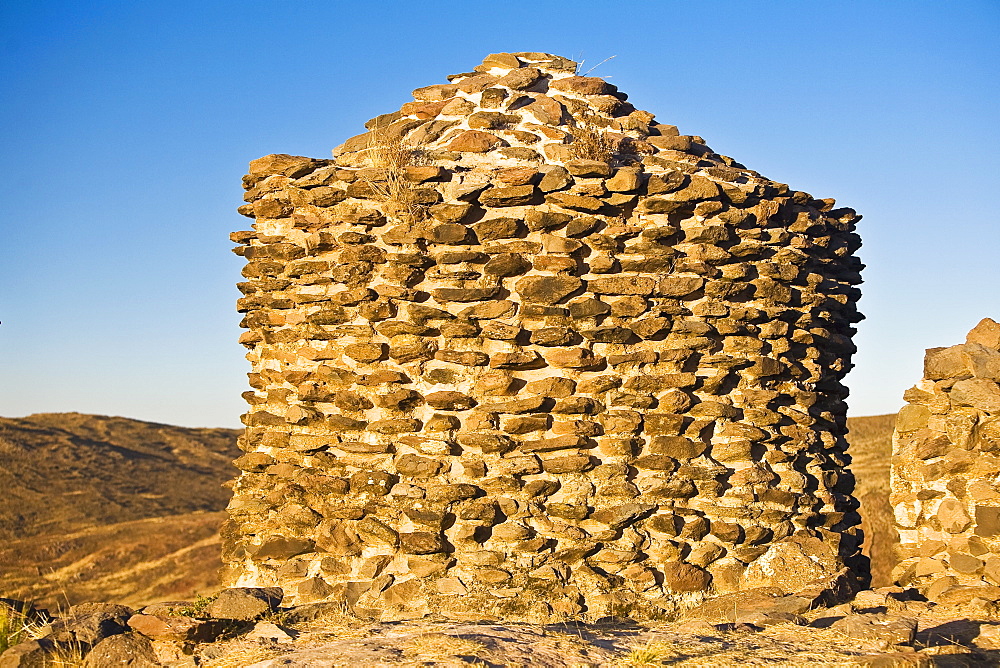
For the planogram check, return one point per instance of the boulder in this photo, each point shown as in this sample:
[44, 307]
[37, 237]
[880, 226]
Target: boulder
[127, 649]
[793, 564]
[178, 628]
[89, 623]
[246, 603]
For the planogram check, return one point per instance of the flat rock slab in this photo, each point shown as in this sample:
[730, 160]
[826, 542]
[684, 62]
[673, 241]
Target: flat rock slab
[691, 642]
[452, 645]
[246, 603]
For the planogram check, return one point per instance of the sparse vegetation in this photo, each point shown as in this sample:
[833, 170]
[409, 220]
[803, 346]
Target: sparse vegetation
[591, 142]
[16, 626]
[391, 156]
[430, 646]
[650, 654]
[66, 655]
[198, 607]
[243, 653]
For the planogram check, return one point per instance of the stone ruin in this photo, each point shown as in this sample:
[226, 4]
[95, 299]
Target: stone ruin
[946, 470]
[521, 351]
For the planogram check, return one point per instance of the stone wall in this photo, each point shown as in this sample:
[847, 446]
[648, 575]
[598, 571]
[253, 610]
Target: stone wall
[946, 468]
[520, 350]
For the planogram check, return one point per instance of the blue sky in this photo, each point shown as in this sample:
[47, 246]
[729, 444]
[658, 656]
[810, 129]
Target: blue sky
[126, 128]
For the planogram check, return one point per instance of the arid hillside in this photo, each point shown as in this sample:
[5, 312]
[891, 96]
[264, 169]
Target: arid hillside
[63, 472]
[107, 508]
[871, 447]
[112, 509]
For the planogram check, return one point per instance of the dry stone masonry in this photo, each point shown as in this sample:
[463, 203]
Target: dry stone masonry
[520, 351]
[946, 470]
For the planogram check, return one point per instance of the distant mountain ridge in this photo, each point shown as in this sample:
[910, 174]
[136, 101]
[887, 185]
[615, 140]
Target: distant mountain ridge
[61, 472]
[108, 508]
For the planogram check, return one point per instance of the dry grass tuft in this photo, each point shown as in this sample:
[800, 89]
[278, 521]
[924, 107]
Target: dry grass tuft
[650, 654]
[390, 155]
[436, 646]
[65, 655]
[244, 653]
[15, 627]
[590, 142]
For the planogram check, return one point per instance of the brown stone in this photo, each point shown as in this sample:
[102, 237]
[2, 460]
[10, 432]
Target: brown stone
[987, 521]
[552, 387]
[508, 196]
[574, 358]
[982, 362]
[677, 447]
[507, 264]
[376, 483]
[550, 444]
[681, 577]
[977, 392]
[474, 141]
[436, 92]
[568, 464]
[556, 178]
[940, 363]
[524, 425]
[912, 417]
[464, 358]
[418, 467]
[449, 400]
[575, 202]
[624, 181]
[547, 289]
[463, 294]
[588, 168]
[516, 176]
[490, 309]
[623, 285]
[679, 286]
[583, 85]
[546, 110]
[514, 360]
[520, 78]
[178, 628]
[450, 212]
[496, 228]
[127, 649]
[488, 443]
[792, 564]
[421, 542]
[986, 333]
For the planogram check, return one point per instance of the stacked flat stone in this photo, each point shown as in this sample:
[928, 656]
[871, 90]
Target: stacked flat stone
[946, 469]
[578, 364]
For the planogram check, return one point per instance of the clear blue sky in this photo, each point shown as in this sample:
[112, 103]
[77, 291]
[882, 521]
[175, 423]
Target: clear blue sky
[126, 127]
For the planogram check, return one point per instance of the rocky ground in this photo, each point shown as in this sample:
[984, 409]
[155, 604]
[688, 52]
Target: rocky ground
[248, 628]
[108, 509]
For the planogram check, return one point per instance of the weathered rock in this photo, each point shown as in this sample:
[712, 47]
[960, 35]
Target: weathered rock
[547, 289]
[474, 141]
[178, 628]
[246, 603]
[882, 630]
[682, 577]
[89, 623]
[128, 649]
[792, 564]
[30, 654]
